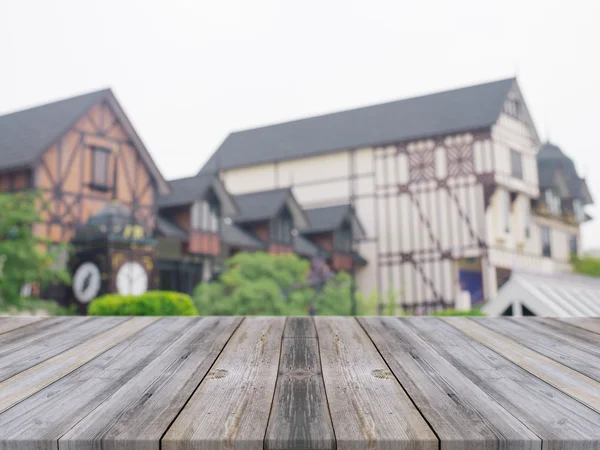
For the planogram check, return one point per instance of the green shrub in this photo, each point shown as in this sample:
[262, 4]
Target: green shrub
[152, 303]
[453, 312]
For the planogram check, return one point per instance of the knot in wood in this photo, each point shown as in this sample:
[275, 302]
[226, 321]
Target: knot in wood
[299, 373]
[382, 373]
[217, 373]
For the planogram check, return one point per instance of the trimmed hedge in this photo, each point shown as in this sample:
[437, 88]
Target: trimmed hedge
[152, 303]
[453, 312]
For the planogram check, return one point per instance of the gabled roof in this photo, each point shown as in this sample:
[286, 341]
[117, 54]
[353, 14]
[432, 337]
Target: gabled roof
[330, 218]
[167, 228]
[458, 110]
[552, 161]
[556, 295]
[26, 134]
[185, 191]
[304, 247]
[265, 205]
[234, 236]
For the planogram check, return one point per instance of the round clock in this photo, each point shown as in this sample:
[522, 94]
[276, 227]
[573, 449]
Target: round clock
[87, 281]
[132, 279]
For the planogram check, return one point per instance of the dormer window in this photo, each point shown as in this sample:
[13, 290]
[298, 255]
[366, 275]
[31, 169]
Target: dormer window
[552, 201]
[578, 211]
[342, 239]
[281, 228]
[205, 215]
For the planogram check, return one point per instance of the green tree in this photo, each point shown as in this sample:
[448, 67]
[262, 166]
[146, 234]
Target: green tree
[25, 257]
[264, 284]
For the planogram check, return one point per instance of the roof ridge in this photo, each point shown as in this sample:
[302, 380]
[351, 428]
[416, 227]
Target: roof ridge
[54, 102]
[358, 108]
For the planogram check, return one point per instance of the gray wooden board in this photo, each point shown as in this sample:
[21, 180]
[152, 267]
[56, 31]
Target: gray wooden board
[578, 349]
[148, 403]
[369, 409]
[40, 420]
[559, 420]
[13, 322]
[230, 408]
[23, 336]
[15, 358]
[569, 381]
[462, 415]
[36, 378]
[587, 323]
[299, 415]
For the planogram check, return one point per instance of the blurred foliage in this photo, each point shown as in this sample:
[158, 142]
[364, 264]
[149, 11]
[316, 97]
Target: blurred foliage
[586, 265]
[151, 303]
[36, 306]
[453, 312]
[24, 257]
[264, 284]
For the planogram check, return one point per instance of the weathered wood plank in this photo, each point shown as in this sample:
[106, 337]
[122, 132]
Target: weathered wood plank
[578, 349]
[299, 415]
[34, 379]
[300, 327]
[231, 407]
[462, 415]
[147, 404]
[587, 323]
[369, 409]
[38, 331]
[562, 377]
[13, 322]
[558, 419]
[40, 420]
[15, 358]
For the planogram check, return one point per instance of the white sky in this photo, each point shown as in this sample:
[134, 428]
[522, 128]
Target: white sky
[189, 72]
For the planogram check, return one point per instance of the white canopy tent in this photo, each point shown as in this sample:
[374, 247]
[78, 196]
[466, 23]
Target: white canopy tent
[555, 295]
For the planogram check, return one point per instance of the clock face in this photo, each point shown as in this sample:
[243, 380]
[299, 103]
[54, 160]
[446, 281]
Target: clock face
[87, 282]
[132, 279]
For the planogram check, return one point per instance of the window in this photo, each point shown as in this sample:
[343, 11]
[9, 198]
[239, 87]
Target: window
[506, 210]
[281, 228]
[205, 216]
[516, 164]
[578, 211]
[573, 244]
[342, 238]
[552, 201]
[546, 246]
[100, 158]
[527, 217]
[513, 108]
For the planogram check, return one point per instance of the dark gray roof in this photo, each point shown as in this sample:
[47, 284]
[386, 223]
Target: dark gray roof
[186, 190]
[236, 237]
[304, 247]
[326, 219]
[170, 229]
[469, 108]
[262, 205]
[24, 135]
[550, 160]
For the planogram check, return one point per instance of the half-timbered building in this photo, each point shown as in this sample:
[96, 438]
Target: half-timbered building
[97, 181]
[443, 185]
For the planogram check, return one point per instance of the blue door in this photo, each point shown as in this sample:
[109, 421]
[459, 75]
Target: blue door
[472, 282]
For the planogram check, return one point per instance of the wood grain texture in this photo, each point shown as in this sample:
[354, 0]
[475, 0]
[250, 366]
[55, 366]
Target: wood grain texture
[15, 358]
[231, 407]
[13, 322]
[558, 419]
[148, 403]
[369, 409]
[300, 414]
[587, 323]
[38, 331]
[40, 420]
[558, 375]
[567, 345]
[34, 379]
[462, 415]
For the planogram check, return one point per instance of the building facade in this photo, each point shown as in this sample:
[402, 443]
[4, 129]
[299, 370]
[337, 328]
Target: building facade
[445, 185]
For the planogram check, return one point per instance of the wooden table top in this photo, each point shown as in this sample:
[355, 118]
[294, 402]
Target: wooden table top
[299, 383]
